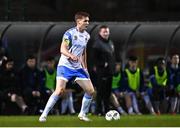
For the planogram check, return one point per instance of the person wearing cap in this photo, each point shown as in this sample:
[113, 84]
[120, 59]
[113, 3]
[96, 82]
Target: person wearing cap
[159, 78]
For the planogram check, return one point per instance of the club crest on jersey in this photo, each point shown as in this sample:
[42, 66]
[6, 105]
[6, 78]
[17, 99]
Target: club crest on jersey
[75, 37]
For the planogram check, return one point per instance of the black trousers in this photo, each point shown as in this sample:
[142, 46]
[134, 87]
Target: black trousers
[159, 93]
[103, 94]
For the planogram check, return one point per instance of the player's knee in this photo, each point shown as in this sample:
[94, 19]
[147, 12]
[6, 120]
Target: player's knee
[91, 92]
[59, 92]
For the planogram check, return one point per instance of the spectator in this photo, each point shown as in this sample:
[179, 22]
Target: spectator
[2, 55]
[10, 88]
[174, 70]
[31, 80]
[49, 80]
[104, 65]
[134, 83]
[117, 88]
[49, 76]
[159, 78]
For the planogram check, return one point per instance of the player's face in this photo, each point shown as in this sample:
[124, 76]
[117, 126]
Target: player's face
[83, 23]
[104, 33]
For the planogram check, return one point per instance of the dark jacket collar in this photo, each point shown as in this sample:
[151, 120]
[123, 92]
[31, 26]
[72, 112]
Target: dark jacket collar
[102, 39]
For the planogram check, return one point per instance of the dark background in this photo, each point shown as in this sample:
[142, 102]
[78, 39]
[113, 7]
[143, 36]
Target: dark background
[146, 28]
[100, 10]
[147, 40]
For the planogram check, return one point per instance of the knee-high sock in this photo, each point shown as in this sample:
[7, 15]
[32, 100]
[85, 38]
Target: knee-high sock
[70, 103]
[50, 104]
[148, 103]
[135, 105]
[86, 101]
[64, 104]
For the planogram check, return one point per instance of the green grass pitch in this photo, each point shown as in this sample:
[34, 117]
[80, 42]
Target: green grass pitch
[73, 121]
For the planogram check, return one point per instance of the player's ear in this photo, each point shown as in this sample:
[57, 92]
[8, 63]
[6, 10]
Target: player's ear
[78, 20]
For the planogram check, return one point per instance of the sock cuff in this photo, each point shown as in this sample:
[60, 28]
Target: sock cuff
[87, 96]
[55, 97]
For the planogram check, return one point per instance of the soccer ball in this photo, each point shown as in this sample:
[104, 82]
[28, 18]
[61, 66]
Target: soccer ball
[109, 115]
[112, 115]
[116, 115]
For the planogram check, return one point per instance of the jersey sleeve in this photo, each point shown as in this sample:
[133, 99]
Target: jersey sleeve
[67, 38]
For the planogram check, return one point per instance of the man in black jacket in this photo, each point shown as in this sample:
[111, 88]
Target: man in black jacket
[10, 86]
[104, 66]
[31, 83]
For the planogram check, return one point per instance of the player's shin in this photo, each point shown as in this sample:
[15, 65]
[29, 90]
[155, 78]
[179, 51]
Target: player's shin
[86, 101]
[50, 104]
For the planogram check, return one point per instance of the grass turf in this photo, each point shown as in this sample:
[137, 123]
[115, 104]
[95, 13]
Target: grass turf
[73, 121]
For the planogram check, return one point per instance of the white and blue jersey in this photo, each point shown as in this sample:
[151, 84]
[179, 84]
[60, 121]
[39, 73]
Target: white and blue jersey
[77, 43]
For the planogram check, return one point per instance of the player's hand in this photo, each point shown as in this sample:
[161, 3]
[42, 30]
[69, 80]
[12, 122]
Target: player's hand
[74, 58]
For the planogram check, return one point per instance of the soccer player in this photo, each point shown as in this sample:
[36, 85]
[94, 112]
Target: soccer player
[72, 65]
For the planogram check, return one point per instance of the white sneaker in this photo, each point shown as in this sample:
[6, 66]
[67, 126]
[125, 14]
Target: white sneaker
[42, 119]
[84, 118]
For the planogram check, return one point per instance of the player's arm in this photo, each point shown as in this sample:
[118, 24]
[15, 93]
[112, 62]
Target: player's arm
[64, 50]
